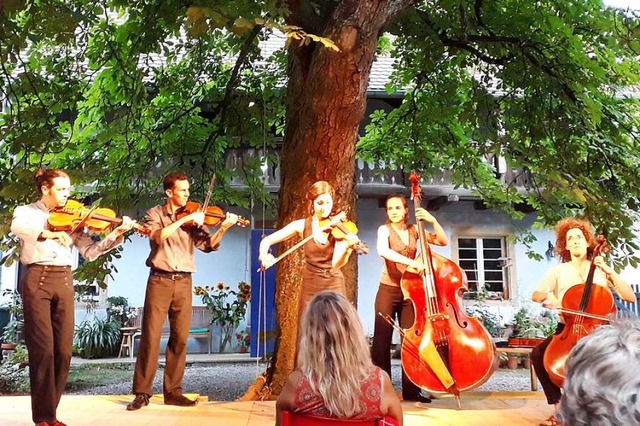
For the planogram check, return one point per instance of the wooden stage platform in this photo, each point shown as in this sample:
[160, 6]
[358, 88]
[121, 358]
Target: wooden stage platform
[478, 408]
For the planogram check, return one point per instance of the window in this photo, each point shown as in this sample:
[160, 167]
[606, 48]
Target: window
[483, 260]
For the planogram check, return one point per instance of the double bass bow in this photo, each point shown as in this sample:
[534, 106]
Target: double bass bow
[444, 350]
[585, 306]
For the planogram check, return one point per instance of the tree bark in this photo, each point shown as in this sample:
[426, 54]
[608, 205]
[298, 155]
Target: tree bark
[326, 102]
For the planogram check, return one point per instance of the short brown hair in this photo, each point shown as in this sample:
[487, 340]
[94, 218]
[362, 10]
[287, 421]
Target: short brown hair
[45, 177]
[169, 180]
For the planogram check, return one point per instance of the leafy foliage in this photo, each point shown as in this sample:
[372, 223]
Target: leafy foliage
[97, 338]
[228, 307]
[14, 374]
[543, 85]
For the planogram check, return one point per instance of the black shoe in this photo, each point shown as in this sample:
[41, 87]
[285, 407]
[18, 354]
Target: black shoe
[417, 398]
[179, 400]
[140, 401]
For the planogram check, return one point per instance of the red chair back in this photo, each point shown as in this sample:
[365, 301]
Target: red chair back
[296, 419]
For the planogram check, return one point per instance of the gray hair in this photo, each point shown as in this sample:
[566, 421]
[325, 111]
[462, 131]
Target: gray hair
[603, 377]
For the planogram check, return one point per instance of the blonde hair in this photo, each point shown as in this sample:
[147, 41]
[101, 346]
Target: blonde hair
[334, 354]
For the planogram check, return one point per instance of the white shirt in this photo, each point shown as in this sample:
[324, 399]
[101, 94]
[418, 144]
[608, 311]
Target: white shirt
[28, 223]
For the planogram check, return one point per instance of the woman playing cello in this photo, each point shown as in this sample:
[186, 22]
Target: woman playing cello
[397, 245]
[324, 254]
[574, 245]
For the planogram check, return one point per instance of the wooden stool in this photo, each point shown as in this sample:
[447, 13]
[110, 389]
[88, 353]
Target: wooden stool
[126, 347]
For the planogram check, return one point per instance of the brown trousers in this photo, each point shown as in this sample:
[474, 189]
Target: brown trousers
[47, 293]
[164, 296]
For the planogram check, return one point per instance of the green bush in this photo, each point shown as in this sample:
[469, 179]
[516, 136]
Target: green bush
[97, 338]
[14, 374]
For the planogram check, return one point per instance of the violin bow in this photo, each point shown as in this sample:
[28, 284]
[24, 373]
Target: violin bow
[298, 245]
[207, 198]
[86, 217]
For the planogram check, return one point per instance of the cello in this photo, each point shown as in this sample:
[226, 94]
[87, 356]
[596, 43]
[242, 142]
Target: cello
[584, 307]
[444, 350]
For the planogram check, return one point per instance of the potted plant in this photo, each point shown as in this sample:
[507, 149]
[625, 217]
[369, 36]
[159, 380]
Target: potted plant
[529, 331]
[228, 307]
[243, 341]
[12, 333]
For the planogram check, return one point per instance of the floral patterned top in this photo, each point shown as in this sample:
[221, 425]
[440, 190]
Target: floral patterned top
[310, 402]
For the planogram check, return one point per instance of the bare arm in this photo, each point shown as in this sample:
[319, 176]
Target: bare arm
[287, 396]
[229, 221]
[389, 403]
[438, 237]
[616, 282]
[294, 228]
[341, 252]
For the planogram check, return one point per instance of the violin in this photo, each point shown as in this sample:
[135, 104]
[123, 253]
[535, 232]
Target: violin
[341, 230]
[213, 215]
[75, 214]
[584, 308]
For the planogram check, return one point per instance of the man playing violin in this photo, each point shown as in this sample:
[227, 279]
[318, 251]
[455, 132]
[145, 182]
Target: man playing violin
[47, 289]
[324, 254]
[169, 289]
[574, 245]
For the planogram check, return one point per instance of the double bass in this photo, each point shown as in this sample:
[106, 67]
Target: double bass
[444, 350]
[584, 307]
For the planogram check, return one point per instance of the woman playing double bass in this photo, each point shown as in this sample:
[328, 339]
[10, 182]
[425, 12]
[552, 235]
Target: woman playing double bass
[397, 245]
[574, 245]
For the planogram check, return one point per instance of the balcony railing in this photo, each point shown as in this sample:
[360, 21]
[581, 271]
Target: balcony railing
[371, 178]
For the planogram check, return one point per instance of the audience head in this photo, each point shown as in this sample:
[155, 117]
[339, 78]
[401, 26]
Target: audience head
[334, 354]
[602, 386]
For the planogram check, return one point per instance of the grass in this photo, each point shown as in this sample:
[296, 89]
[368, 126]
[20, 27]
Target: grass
[86, 376]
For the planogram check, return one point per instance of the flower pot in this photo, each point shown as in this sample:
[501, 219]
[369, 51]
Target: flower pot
[243, 349]
[526, 362]
[8, 346]
[512, 362]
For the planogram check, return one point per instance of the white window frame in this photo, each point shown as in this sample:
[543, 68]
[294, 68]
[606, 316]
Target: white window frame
[505, 258]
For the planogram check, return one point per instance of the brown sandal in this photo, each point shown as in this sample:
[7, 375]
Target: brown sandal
[551, 421]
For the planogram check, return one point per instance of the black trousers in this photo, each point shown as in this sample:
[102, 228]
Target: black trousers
[170, 296]
[390, 301]
[551, 391]
[48, 300]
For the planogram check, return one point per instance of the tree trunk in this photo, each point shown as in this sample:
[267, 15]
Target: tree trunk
[326, 102]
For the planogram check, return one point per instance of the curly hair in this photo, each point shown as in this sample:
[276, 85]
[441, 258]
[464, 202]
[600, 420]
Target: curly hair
[602, 387]
[334, 354]
[563, 226]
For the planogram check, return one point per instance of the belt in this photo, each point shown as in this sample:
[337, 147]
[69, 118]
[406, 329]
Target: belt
[49, 267]
[171, 275]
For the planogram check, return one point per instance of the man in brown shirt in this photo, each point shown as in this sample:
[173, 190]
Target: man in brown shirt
[169, 290]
